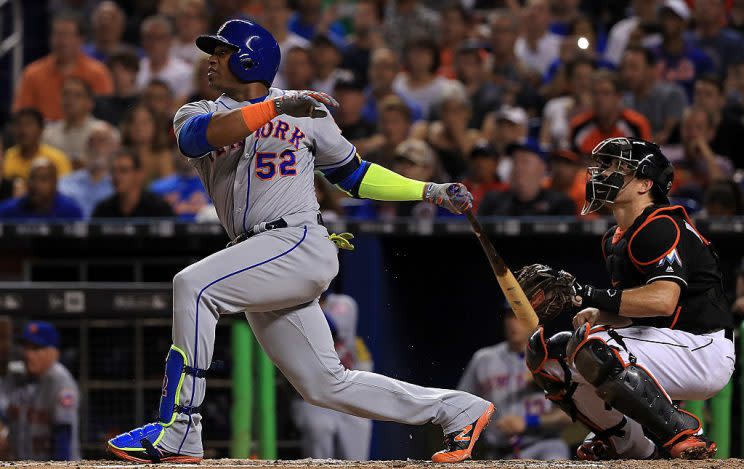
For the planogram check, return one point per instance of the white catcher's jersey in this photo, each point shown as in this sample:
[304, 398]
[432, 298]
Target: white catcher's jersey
[269, 175]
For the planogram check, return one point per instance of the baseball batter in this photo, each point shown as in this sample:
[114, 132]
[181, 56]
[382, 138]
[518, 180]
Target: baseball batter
[662, 333]
[326, 433]
[256, 149]
[525, 426]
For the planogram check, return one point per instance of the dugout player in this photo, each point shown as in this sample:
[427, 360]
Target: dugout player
[526, 425]
[662, 333]
[255, 149]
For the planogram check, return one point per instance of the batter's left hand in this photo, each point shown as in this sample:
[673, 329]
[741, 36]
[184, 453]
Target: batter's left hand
[455, 197]
[304, 104]
[511, 425]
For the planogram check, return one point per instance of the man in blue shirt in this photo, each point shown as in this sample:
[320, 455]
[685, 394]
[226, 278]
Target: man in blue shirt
[42, 202]
[722, 44]
[183, 190]
[92, 184]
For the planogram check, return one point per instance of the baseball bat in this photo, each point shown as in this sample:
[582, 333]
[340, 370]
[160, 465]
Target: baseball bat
[509, 285]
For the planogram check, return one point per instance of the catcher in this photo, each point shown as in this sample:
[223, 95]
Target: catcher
[662, 333]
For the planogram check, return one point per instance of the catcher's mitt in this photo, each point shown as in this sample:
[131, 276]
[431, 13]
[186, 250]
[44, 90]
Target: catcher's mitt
[550, 291]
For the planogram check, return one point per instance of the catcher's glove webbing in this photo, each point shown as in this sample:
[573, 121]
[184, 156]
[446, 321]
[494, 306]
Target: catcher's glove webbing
[550, 291]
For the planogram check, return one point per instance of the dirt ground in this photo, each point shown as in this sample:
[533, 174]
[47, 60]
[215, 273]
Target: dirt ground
[410, 464]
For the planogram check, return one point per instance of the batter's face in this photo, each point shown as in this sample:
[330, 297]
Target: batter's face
[219, 75]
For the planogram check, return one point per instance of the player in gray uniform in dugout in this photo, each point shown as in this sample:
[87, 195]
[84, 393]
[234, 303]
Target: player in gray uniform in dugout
[526, 425]
[256, 149]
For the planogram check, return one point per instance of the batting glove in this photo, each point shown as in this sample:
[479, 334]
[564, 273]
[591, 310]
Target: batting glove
[454, 197]
[304, 104]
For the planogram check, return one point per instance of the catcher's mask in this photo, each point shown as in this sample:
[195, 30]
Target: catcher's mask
[635, 158]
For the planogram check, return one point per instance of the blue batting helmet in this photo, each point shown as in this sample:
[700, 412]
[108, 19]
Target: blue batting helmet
[256, 56]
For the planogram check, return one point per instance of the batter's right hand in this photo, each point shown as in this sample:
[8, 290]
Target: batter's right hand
[304, 104]
[586, 315]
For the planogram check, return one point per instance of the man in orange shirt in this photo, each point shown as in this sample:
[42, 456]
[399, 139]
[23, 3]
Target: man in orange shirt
[40, 85]
[608, 117]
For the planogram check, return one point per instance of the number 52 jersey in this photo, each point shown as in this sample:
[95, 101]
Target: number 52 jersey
[270, 173]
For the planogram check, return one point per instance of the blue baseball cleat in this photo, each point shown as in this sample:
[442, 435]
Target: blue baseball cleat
[141, 445]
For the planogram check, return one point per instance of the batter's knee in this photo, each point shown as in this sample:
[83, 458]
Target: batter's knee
[186, 281]
[322, 389]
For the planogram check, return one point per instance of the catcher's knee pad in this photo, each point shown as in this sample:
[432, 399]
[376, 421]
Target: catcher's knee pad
[630, 389]
[176, 370]
[544, 354]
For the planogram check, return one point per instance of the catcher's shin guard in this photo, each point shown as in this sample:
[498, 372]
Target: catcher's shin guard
[540, 353]
[630, 388]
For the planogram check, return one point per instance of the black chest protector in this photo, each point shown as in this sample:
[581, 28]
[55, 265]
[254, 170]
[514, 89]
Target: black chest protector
[663, 244]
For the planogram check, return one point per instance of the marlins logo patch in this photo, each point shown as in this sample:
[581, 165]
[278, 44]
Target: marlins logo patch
[670, 259]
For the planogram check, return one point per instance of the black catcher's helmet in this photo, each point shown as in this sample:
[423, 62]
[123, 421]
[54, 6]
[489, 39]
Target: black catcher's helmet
[636, 157]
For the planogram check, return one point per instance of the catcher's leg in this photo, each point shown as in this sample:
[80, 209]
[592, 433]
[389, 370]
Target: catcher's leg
[613, 435]
[628, 386]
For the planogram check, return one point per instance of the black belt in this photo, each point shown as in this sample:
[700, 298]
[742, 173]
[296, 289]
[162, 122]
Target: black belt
[272, 225]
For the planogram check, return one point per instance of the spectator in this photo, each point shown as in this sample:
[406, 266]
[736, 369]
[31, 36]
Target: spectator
[644, 20]
[394, 127]
[485, 96]
[330, 209]
[276, 20]
[505, 27]
[696, 164]
[43, 201]
[191, 21]
[202, 90]
[728, 128]
[679, 61]
[140, 131]
[450, 136]
[483, 172]
[723, 199]
[40, 85]
[563, 13]
[183, 190]
[326, 58]
[9, 187]
[736, 15]
[525, 424]
[108, 29]
[721, 44]
[526, 194]
[124, 66]
[507, 125]
[91, 184]
[159, 61]
[27, 126]
[44, 401]
[537, 47]
[366, 38]
[130, 200]
[455, 30]
[662, 103]
[298, 69]
[158, 96]
[71, 133]
[350, 90]
[558, 112]
[408, 19]
[735, 90]
[568, 176]
[383, 69]
[419, 82]
[608, 117]
[312, 19]
[415, 159]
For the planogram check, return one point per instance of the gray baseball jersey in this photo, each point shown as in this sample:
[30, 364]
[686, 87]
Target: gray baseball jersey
[276, 277]
[35, 406]
[500, 375]
[270, 174]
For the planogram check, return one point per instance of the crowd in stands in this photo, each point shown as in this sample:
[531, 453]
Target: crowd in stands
[507, 96]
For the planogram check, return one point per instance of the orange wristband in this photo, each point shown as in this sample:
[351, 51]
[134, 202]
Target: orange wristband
[256, 116]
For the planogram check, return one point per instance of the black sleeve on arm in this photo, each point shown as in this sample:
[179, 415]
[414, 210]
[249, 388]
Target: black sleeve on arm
[654, 250]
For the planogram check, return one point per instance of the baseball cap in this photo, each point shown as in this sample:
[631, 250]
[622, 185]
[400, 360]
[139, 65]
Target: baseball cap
[678, 7]
[513, 114]
[531, 145]
[348, 80]
[40, 333]
[484, 149]
[415, 151]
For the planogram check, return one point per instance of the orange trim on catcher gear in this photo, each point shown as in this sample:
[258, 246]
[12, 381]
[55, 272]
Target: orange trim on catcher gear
[676, 316]
[257, 115]
[649, 220]
[691, 431]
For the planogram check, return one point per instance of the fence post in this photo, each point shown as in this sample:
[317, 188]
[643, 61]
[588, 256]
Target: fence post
[267, 405]
[242, 375]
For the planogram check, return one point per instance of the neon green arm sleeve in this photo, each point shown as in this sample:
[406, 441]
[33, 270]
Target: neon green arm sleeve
[382, 184]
